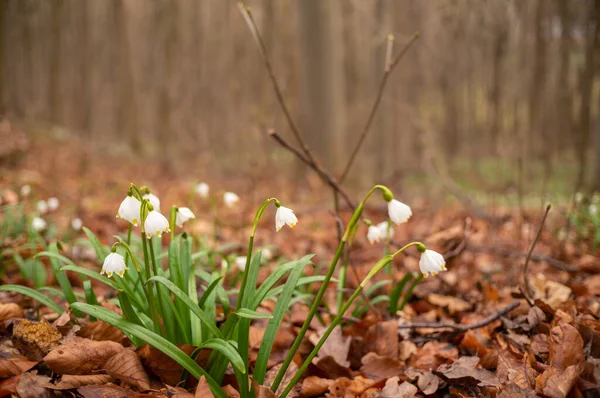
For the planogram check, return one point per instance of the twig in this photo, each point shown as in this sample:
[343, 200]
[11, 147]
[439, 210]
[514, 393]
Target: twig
[388, 70]
[527, 289]
[462, 328]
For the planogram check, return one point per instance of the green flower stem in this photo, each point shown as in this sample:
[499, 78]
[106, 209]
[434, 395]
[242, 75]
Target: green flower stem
[409, 292]
[150, 289]
[342, 281]
[338, 319]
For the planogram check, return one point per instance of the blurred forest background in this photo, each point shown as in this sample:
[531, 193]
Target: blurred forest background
[498, 94]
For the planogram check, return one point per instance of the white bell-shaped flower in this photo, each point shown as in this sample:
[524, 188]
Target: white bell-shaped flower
[156, 224]
[374, 234]
[431, 262]
[202, 189]
[183, 215]
[130, 210]
[25, 190]
[53, 204]
[398, 211]
[42, 206]
[153, 199]
[230, 199]
[114, 263]
[283, 216]
[240, 262]
[38, 224]
[387, 231]
[76, 224]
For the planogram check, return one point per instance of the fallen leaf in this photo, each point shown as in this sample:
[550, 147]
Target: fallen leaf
[432, 355]
[263, 392]
[15, 366]
[127, 367]
[68, 382]
[566, 347]
[393, 390]
[9, 386]
[428, 383]
[466, 368]
[100, 331]
[106, 391]
[231, 392]
[406, 349]
[382, 339]
[339, 386]
[336, 346]
[160, 364]
[203, 389]
[380, 367]
[550, 292]
[358, 385]
[32, 385]
[453, 304]
[10, 310]
[313, 386]
[81, 356]
[35, 339]
[557, 384]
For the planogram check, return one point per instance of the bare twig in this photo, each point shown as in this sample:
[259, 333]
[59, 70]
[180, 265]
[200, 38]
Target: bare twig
[527, 289]
[462, 328]
[388, 70]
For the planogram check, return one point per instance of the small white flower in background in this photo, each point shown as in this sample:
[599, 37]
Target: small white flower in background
[267, 254]
[38, 224]
[283, 216]
[593, 209]
[374, 234]
[387, 231]
[53, 204]
[431, 262]
[113, 263]
[240, 262]
[42, 206]
[153, 199]
[398, 211]
[156, 224]
[230, 199]
[578, 197]
[25, 190]
[183, 215]
[202, 189]
[130, 210]
[76, 224]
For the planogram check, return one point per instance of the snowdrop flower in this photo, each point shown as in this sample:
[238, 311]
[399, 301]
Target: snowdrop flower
[38, 224]
[156, 224]
[240, 262]
[202, 189]
[53, 204]
[230, 199]
[183, 215]
[431, 262]
[285, 216]
[76, 224]
[153, 199]
[267, 254]
[398, 211]
[25, 190]
[42, 206]
[113, 263]
[387, 232]
[374, 234]
[130, 210]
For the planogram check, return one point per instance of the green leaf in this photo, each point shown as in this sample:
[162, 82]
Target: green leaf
[154, 340]
[397, 292]
[250, 314]
[229, 351]
[91, 274]
[26, 291]
[208, 291]
[59, 274]
[303, 281]
[101, 251]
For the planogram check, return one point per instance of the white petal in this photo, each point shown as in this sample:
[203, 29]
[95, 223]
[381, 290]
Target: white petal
[25, 190]
[76, 224]
[230, 199]
[240, 262]
[431, 262]
[42, 207]
[399, 212]
[130, 210]
[283, 216]
[38, 224]
[203, 189]
[387, 231]
[374, 234]
[155, 224]
[114, 263]
[53, 204]
[183, 215]
[153, 199]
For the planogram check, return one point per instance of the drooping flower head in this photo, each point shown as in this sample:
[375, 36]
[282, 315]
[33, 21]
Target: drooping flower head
[130, 210]
[25, 190]
[230, 199]
[399, 212]
[387, 231]
[155, 224]
[184, 214]
[42, 206]
[38, 224]
[114, 263]
[202, 189]
[283, 216]
[53, 204]
[374, 234]
[153, 199]
[431, 262]
[76, 224]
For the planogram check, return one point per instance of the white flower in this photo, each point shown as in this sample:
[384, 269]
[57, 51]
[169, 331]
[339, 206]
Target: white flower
[431, 262]
[230, 199]
[240, 262]
[202, 189]
[156, 224]
[76, 224]
[38, 224]
[42, 206]
[593, 209]
[130, 210]
[374, 234]
[53, 204]
[578, 197]
[25, 190]
[267, 254]
[398, 211]
[387, 231]
[183, 215]
[153, 199]
[113, 263]
[285, 216]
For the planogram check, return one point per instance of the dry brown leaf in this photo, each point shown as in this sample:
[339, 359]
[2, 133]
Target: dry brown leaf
[336, 346]
[203, 389]
[566, 347]
[382, 339]
[127, 367]
[453, 304]
[15, 366]
[314, 386]
[161, 364]
[263, 392]
[550, 292]
[106, 391]
[359, 385]
[9, 386]
[287, 377]
[231, 392]
[339, 386]
[406, 349]
[81, 356]
[557, 384]
[68, 382]
[10, 310]
[35, 339]
[393, 390]
[32, 385]
[466, 368]
[100, 330]
[176, 392]
[432, 355]
[380, 367]
[428, 383]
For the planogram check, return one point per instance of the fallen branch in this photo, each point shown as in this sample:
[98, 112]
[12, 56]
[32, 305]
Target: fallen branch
[462, 328]
[527, 287]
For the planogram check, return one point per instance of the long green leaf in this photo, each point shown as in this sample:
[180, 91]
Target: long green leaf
[59, 274]
[208, 291]
[303, 281]
[101, 251]
[91, 274]
[154, 340]
[229, 351]
[250, 314]
[29, 292]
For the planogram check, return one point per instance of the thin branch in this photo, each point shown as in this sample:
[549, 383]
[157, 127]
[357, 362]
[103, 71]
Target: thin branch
[462, 328]
[388, 70]
[527, 288]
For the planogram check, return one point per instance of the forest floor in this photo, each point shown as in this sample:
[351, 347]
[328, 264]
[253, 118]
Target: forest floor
[470, 331]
